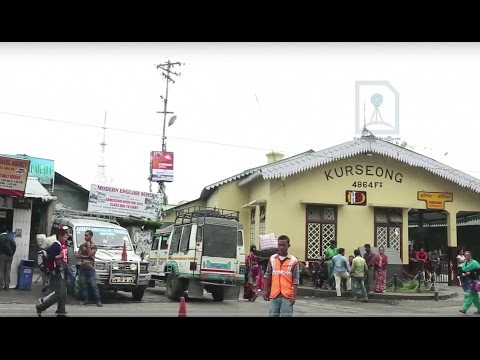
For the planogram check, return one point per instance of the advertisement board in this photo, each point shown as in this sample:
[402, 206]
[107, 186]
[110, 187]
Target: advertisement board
[161, 166]
[42, 169]
[13, 176]
[123, 202]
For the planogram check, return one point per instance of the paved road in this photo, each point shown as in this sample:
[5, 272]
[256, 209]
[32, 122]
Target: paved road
[154, 303]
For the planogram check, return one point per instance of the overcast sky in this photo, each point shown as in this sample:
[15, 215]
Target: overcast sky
[305, 93]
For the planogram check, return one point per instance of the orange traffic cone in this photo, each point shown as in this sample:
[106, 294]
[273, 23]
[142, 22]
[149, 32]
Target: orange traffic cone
[182, 310]
[124, 251]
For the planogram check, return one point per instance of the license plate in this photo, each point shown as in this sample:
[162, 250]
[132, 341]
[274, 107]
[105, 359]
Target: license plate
[122, 279]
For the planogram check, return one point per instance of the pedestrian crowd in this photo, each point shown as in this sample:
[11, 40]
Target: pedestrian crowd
[359, 274]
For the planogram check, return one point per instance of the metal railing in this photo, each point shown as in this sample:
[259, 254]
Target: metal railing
[78, 214]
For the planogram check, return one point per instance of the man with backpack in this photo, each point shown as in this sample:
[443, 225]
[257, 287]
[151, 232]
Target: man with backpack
[57, 267]
[7, 250]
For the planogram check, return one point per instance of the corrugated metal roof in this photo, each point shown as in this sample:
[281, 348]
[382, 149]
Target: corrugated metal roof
[36, 190]
[234, 177]
[252, 171]
[364, 145]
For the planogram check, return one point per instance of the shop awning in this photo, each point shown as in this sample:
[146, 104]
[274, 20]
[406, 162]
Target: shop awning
[316, 202]
[398, 206]
[36, 190]
[254, 203]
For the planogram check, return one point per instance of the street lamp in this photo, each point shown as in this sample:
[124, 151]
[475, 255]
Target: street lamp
[172, 120]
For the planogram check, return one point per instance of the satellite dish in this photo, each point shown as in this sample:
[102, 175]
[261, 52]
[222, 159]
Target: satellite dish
[172, 120]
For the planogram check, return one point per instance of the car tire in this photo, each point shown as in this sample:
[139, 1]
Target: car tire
[138, 293]
[217, 293]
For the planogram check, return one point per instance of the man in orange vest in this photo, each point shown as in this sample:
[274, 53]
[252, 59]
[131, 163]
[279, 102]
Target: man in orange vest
[281, 280]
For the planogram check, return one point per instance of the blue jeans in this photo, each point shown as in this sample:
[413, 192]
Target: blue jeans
[87, 280]
[358, 285]
[280, 306]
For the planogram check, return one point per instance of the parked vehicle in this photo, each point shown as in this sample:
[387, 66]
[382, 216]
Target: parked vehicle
[112, 273]
[202, 250]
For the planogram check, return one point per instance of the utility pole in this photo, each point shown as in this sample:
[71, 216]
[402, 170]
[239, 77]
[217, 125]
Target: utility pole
[167, 71]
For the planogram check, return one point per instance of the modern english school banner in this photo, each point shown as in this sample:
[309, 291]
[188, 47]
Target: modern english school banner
[161, 166]
[13, 176]
[123, 202]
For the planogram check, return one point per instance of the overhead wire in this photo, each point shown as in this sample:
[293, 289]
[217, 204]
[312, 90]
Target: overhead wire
[210, 142]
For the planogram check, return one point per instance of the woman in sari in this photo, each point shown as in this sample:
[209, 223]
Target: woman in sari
[252, 272]
[381, 262]
[470, 271]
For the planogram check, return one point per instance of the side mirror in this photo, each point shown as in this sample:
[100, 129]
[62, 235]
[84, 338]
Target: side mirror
[69, 242]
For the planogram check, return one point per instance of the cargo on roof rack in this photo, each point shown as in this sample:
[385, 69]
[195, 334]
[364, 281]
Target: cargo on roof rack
[78, 214]
[186, 215]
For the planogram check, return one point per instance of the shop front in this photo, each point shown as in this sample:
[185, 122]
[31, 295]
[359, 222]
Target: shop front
[19, 195]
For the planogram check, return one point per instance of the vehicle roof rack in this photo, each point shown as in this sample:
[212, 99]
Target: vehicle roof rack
[78, 214]
[186, 215]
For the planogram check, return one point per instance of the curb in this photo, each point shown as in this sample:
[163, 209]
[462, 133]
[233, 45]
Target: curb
[443, 295]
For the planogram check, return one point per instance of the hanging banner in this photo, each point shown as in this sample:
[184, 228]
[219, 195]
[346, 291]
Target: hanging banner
[13, 176]
[161, 166]
[123, 202]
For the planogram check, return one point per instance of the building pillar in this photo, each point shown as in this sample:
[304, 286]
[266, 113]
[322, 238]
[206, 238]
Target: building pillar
[405, 238]
[452, 245]
[49, 217]
[257, 225]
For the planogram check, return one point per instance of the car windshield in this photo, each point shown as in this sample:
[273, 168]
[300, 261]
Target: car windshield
[105, 237]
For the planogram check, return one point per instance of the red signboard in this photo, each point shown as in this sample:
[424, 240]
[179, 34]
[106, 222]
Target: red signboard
[161, 166]
[13, 176]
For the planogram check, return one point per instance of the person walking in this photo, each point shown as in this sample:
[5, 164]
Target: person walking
[381, 262]
[340, 271]
[281, 280]
[57, 266]
[7, 250]
[329, 254]
[369, 257]
[359, 272]
[470, 272]
[86, 255]
[252, 273]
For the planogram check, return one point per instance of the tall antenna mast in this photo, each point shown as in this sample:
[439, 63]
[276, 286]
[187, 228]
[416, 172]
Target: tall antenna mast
[101, 178]
[167, 71]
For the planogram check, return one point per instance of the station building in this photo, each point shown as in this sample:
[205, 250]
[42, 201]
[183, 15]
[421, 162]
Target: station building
[363, 191]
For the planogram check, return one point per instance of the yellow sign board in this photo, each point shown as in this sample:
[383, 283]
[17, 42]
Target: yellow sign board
[435, 200]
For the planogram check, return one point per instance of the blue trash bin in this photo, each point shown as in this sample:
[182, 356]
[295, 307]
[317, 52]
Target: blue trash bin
[25, 274]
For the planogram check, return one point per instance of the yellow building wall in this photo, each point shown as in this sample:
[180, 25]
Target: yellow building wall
[233, 197]
[212, 200]
[259, 189]
[286, 216]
